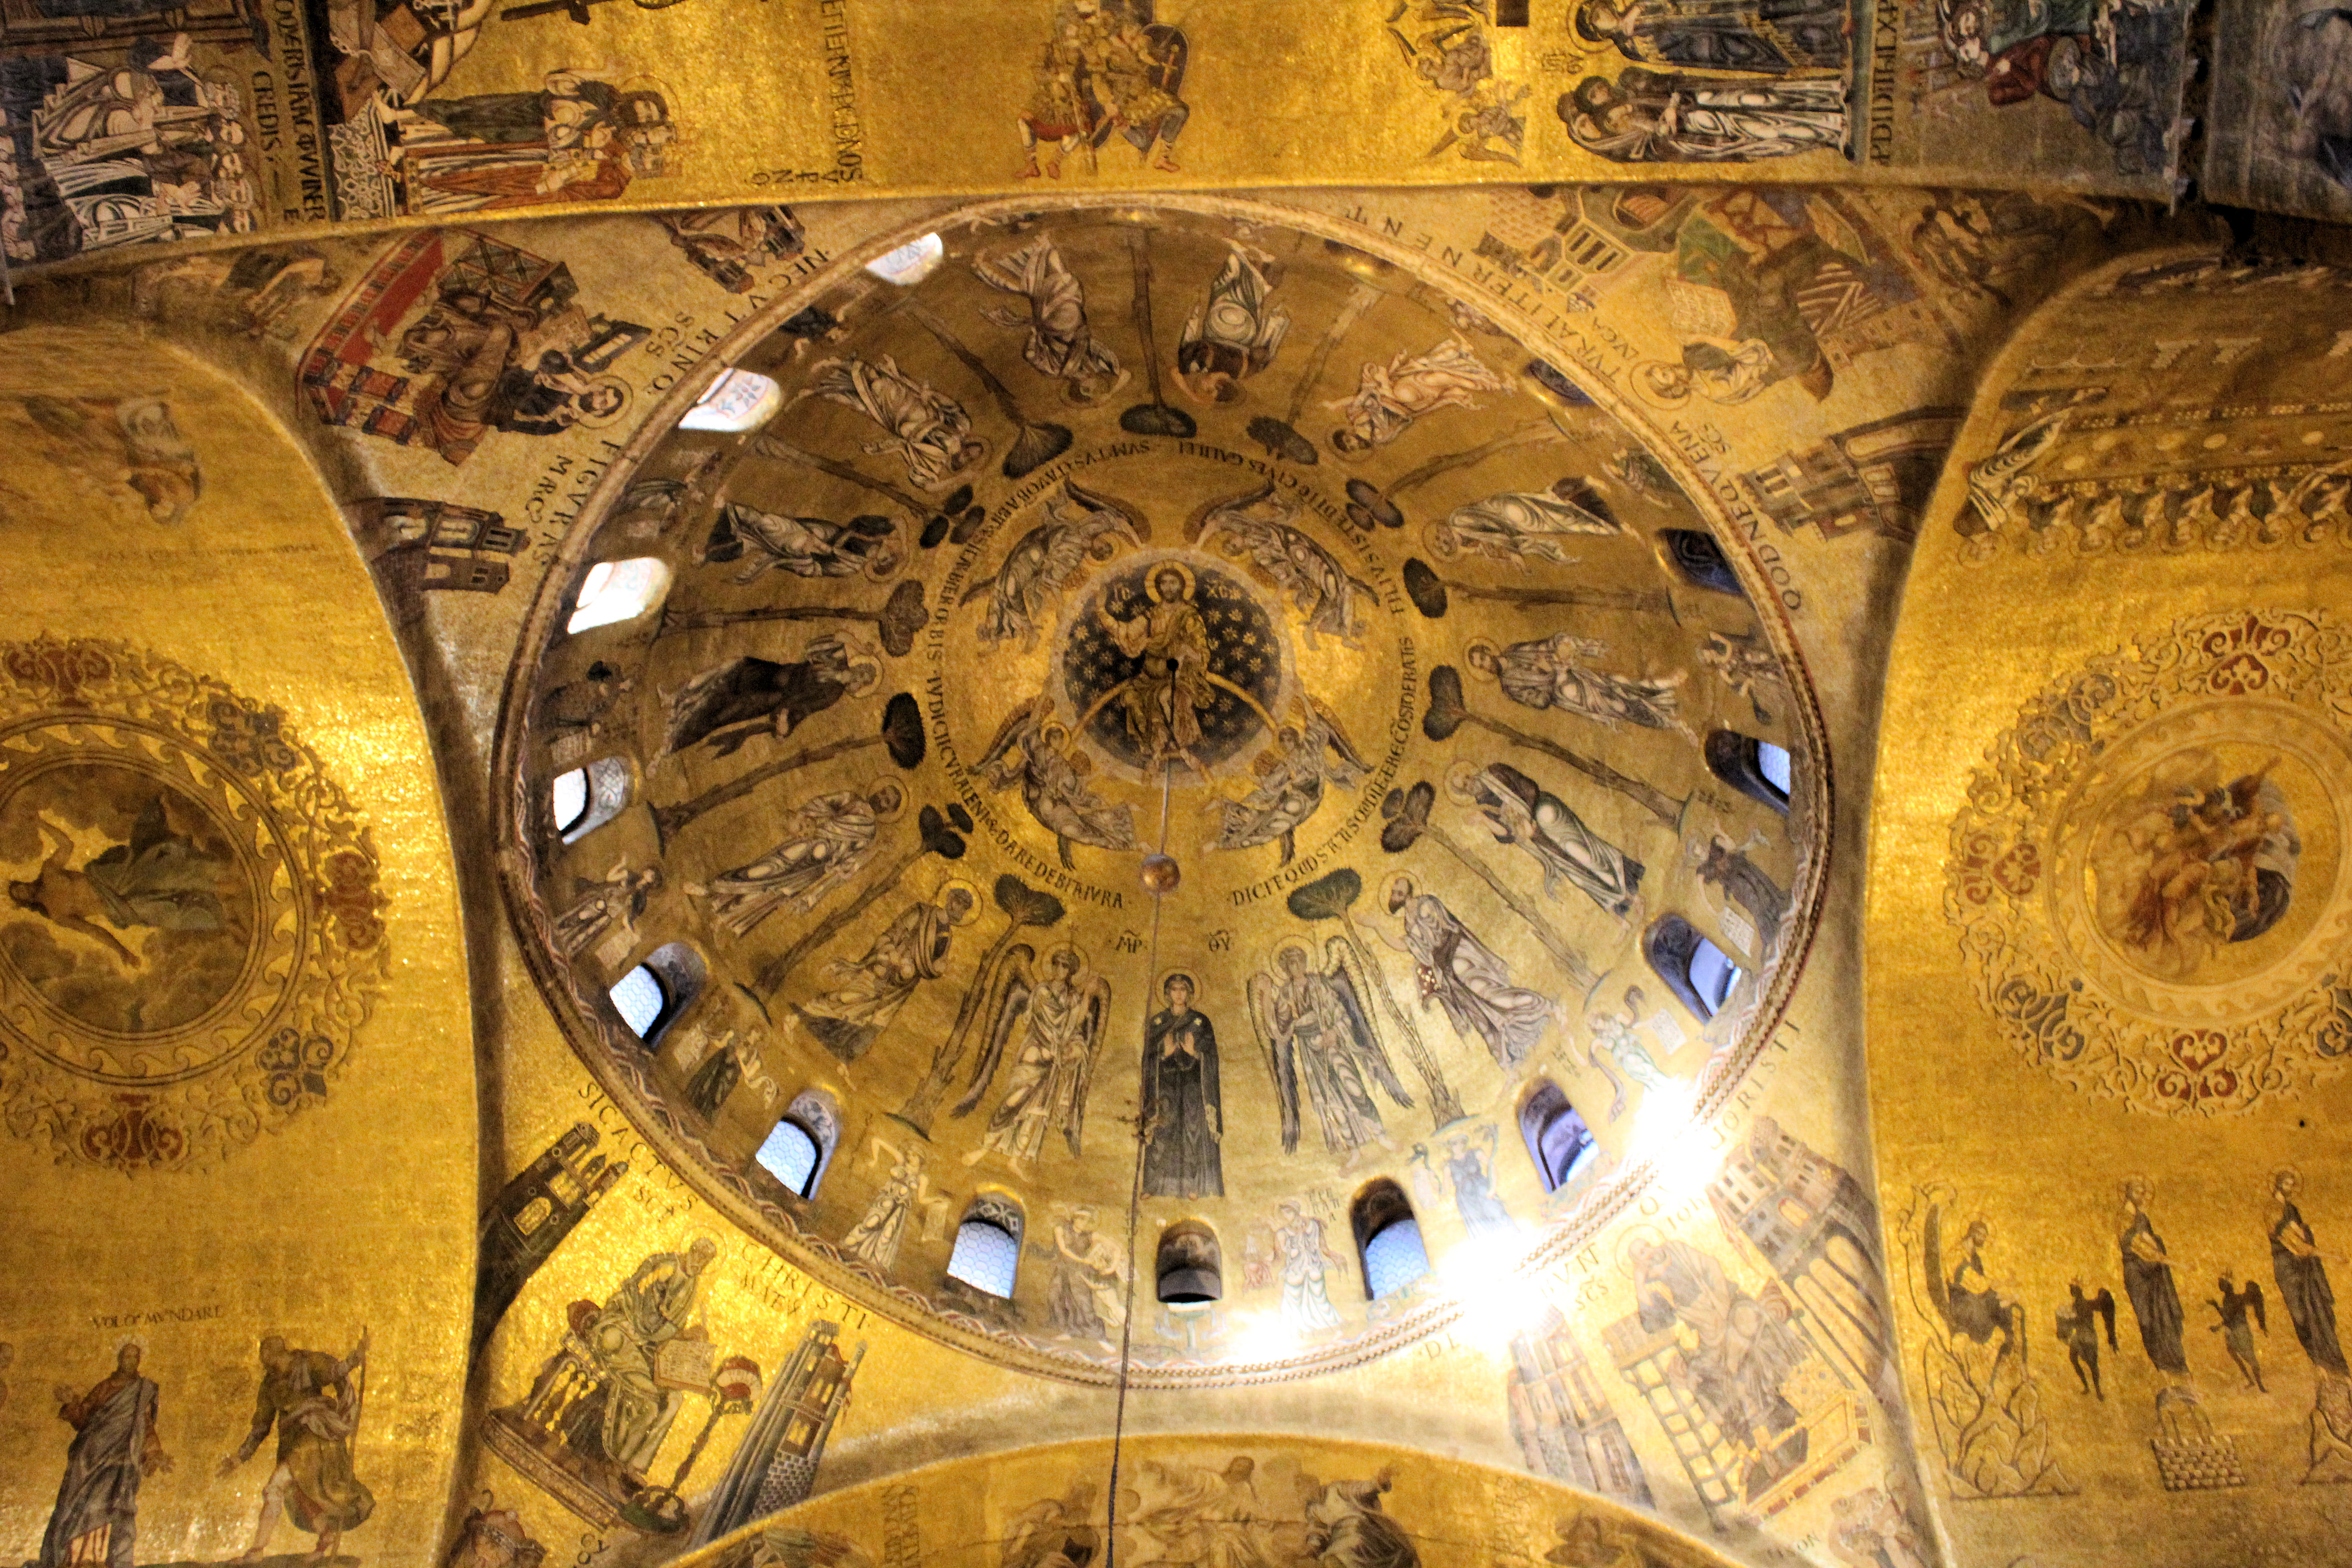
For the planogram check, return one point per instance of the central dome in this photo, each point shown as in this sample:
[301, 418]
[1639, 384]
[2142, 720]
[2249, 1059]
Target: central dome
[1063, 539]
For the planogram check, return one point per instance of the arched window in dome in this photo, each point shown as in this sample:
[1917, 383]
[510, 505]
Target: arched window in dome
[987, 1255]
[1557, 1138]
[1388, 1238]
[1697, 971]
[582, 800]
[911, 262]
[1700, 560]
[800, 1145]
[738, 399]
[1190, 1265]
[616, 591]
[1756, 769]
[652, 995]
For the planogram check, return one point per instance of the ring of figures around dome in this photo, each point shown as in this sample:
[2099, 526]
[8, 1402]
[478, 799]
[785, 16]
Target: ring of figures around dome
[1189, 532]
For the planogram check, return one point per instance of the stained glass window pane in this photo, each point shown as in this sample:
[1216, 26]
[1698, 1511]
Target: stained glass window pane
[640, 998]
[1712, 975]
[569, 797]
[985, 1257]
[1394, 1257]
[789, 1156]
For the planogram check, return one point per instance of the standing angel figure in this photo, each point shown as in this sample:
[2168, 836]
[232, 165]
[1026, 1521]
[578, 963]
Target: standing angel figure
[1519, 811]
[930, 431]
[1552, 672]
[1054, 1025]
[1080, 529]
[832, 836]
[1290, 786]
[1390, 398]
[1031, 749]
[1237, 332]
[1315, 1026]
[1060, 346]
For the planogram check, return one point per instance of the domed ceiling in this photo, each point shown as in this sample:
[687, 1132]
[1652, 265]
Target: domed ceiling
[1111, 534]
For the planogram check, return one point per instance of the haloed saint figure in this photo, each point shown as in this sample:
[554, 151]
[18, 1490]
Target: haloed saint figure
[1182, 1111]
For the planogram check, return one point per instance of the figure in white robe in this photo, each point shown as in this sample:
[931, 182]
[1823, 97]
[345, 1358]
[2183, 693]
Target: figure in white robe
[1390, 398]
[928, 431]
[1521, 526]
[875, 1239]
[1519, 811]
[1305, 1257]
[1236, 333]
[833, 836]
[1651, 117]
[1549, 672]
[1061, 345]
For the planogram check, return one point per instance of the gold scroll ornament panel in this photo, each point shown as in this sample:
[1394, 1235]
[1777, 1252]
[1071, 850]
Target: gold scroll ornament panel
[219, 834]
[2105, 930]
[1387, 610]
[255, 118]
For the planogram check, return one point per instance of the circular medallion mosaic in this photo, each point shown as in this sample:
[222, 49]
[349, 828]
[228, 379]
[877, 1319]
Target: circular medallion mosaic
[192, 931]
[2150, 877]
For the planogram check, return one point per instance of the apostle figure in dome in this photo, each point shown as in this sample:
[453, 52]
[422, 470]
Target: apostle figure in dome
[1555, 672]
[1519, 811]
[830, 836]
[1465, 977]
[728, 704]
[1521, 526]
[1389, 398]
[929, 432]
[1651, 117]
[873, 988]
[804, 546]
[1237, 332]
[1061, 345]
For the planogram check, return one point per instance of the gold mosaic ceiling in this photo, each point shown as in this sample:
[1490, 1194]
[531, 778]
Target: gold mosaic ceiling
[1116, 532]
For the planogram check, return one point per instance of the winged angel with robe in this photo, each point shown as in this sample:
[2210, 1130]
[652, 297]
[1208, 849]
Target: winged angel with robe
[1291, 776]
[1031, 749]
[1316, 1031]
[1080, 527]
[1051, 1024]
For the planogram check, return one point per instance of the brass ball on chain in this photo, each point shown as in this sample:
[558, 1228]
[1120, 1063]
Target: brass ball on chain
[1161, 874]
